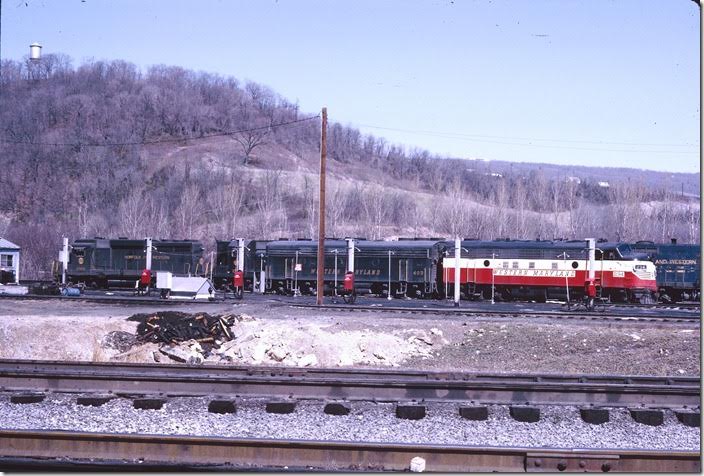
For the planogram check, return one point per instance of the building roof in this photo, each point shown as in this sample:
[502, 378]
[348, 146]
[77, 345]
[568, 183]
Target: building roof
[8, 245]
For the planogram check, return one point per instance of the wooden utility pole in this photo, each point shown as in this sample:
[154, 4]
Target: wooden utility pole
[321, 212]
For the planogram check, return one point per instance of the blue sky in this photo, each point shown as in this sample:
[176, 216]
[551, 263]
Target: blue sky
[599, 82]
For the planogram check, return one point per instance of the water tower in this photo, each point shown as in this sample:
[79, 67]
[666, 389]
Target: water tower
[35, 51]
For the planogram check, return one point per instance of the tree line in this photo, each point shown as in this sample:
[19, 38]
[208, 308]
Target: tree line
[103, 149]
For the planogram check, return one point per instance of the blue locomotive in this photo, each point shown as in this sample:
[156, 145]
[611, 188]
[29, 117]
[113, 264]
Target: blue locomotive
[678, 268]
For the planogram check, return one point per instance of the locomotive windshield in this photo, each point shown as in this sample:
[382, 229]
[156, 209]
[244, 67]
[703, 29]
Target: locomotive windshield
[624, 249]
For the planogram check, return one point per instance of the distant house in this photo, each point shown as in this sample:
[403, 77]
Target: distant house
[604, 184]
[9, 262]
[576, 180]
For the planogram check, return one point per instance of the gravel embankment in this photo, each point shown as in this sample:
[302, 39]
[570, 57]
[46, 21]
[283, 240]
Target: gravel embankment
[558, 427]
[281, 335]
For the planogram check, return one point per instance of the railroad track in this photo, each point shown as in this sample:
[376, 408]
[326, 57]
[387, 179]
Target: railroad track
[557, 314]
[348, 384]
[659, 305]
[43, 450]
[146, 384]
[119, 300]
[600, 315]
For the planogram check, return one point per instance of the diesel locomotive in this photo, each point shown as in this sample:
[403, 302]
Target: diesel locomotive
[541, 270]
[101, 263]
[407, 268]
[678, 268]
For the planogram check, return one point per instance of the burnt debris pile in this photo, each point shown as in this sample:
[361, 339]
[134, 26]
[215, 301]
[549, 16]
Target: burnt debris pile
[174, 327]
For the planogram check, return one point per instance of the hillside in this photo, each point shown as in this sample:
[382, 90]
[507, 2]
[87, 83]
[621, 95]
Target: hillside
[103, 149]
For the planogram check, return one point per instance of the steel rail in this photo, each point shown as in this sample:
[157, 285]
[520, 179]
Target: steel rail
[59, 449]
[658, 305]
[119, 300]
[558, 314]
[348, 384]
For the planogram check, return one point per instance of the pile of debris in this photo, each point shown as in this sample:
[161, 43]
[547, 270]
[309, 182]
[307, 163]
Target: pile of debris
[174, 327]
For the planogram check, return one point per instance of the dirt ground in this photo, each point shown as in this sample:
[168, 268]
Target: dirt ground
[275, 334]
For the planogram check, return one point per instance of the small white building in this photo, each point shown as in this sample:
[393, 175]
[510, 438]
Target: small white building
[9, 262]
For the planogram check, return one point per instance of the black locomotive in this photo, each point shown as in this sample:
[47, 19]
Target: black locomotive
[105, 263]
[404, 268]
[226, 263]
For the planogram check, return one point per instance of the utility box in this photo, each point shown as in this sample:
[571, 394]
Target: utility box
[164, 280]
[177, 287]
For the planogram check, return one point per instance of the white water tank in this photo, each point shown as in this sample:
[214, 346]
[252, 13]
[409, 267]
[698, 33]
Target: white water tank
[35, 51]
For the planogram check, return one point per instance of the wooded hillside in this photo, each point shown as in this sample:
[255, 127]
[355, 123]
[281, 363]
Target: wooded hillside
[103, 149]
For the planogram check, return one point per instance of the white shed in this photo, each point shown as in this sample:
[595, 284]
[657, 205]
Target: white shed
[9, 262]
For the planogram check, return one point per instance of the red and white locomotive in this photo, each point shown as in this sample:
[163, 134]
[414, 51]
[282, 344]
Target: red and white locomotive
[541, 270]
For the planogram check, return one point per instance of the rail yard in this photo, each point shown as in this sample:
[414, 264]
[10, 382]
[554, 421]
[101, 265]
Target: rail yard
[422, 355]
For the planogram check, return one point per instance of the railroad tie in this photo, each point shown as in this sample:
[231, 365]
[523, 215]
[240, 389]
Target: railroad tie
[689, 417]
[475, 413]
[595, 416]
[337, 408]
[281, 407]
[647, 417]
[148, 403]
[410, 412]
[27, 398]
[525, 414]
[95, 401]
[222, 407]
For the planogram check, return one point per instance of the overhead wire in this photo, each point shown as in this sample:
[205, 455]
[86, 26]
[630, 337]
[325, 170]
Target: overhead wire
[483, 138]
[159, 141]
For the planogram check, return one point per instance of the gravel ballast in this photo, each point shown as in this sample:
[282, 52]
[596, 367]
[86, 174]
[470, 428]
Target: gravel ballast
[559, 427]
[276, 334]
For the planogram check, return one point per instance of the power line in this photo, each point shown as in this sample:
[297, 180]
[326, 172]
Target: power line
[159, 141]
[473, 138]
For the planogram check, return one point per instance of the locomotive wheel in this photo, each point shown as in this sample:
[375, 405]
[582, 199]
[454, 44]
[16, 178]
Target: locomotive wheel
[239, 293]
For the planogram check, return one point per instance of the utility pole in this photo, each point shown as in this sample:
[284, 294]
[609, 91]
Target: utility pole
[321, 213]
[458, 244]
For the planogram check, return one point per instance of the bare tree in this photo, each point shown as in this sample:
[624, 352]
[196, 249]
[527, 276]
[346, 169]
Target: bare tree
[375, 210]
[310, 197]
[253, 136]
[454, 216]
[570, 191]
[336, 209]
[157, 218]
[131, 216]
[228, 202]
[555, 190]
[693, 223]
[187, 214]
[501, 203]
[269, 204]
[521, 199]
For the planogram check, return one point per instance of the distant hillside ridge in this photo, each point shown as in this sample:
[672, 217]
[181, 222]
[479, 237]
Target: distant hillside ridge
[105, 149]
